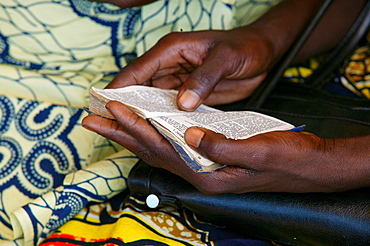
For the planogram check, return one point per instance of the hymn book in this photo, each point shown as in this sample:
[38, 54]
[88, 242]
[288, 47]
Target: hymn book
[159, 107]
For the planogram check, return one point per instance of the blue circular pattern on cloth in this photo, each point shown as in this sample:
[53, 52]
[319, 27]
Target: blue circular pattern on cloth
[6, 114]
[44, 158]
[10, 164]
[45, 155]
[41, 133]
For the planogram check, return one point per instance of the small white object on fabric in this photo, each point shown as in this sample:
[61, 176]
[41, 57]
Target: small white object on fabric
[152, 201]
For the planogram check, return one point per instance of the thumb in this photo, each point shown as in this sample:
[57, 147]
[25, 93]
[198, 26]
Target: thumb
[202, 81]
[211, 145]
[137, 72]
[193, 136]
[244, 153]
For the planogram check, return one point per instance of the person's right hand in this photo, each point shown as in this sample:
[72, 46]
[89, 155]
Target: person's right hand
[279, 161]
[211, 67]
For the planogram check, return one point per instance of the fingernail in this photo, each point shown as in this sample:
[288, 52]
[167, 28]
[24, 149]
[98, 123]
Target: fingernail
[194, 136]
[87, 127]
[189, 99]
[108, 107]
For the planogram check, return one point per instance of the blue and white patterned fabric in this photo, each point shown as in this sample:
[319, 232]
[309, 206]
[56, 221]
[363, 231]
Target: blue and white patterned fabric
[51, 53]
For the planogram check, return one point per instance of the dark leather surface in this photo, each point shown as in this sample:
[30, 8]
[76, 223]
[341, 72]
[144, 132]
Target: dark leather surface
[292, 219]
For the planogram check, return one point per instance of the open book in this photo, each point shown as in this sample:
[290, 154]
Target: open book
[159, 107]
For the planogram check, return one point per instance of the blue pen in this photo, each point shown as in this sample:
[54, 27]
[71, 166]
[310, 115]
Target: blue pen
[298, 128]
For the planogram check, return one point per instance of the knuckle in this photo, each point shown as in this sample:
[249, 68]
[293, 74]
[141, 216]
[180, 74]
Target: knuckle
[260, 55]
[229, 51]
[203, 78]
[147, 156]
[132, 121]
[112, 130]
[202, 83]
[171, 39]
[262, 151]
[134, 77]
[217, 149]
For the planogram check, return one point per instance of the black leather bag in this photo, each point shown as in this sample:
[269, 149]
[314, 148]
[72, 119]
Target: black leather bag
[291, 219]
[285, 218]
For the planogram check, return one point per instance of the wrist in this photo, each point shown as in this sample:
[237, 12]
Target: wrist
[284, 23]
[349, 161]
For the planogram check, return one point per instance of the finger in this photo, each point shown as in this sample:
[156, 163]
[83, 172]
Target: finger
[203, 80]
[161, 58]
[137, 72]
[112, 130]
[229, 91]
[159, 151]
[134, 125]
[186, 67]
[153, 151]
[170, 81]
[220, 149]
[140, 129]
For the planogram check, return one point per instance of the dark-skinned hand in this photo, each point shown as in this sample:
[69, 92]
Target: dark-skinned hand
[280, 161]
[211, 67]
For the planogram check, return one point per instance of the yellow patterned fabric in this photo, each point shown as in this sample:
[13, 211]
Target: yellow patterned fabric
[299, 73]
[168, 226]
[51, 53]
[353, 76]
[356, 75]
[130, 222]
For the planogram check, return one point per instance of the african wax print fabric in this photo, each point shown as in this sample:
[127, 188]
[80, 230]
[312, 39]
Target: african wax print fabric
[351, 79]
[356, 72]
[51, 53]
[121, 221]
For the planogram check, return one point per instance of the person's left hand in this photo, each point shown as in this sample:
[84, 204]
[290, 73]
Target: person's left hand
[138, 136]
[125, 3]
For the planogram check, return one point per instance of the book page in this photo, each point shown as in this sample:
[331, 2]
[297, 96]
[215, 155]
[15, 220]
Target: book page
[160, 108]
[232, 124]
[147, 101]
[235, 125]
